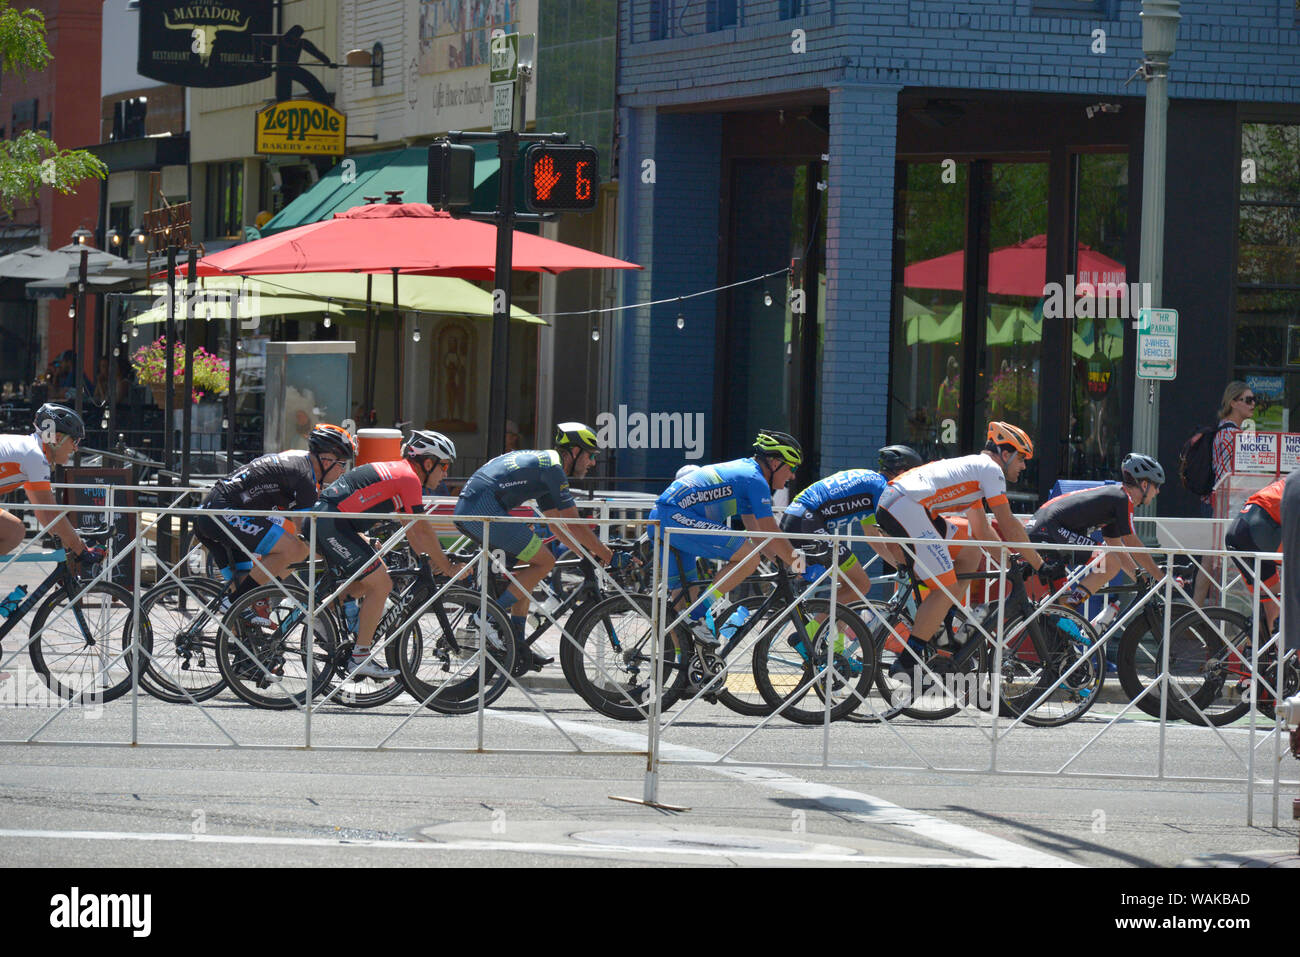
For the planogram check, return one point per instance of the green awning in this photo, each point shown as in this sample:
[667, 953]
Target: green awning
[375, 173]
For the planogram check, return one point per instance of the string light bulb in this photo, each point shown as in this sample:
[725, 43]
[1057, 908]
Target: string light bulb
[681, 321]
[415, 334]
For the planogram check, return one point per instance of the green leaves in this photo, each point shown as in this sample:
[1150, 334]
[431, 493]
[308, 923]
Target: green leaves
[33, 160]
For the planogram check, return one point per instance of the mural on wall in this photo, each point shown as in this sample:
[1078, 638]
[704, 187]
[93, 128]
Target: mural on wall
[455, 33]
[455, 375]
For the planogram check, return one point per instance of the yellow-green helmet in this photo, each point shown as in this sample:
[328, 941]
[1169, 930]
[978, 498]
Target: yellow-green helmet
[575, 435]
[781, 444]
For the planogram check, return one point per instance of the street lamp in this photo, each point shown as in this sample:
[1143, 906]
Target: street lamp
[114, 238]
[82, 236]
[1159, 32]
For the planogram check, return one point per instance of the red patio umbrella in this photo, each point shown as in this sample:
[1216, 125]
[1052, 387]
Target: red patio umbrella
[406, 237]
[1018, 270]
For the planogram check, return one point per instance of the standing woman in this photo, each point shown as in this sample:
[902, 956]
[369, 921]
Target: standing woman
[1237, 406]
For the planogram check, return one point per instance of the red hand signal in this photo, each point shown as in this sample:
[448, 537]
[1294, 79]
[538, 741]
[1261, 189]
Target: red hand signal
[545, 177]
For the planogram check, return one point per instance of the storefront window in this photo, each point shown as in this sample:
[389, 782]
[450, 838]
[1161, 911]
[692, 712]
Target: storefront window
[1099, 396]
[1268, 277]
[927, 323]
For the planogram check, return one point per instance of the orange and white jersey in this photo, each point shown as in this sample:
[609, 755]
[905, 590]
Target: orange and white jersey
[954, 485]
[23, 463]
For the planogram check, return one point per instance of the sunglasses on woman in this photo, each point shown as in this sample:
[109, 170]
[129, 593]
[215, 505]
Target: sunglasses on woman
[1248, 399]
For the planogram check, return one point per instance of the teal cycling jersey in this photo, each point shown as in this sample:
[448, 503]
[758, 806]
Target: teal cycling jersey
[841, 502]
[518, 477]
[714, 493]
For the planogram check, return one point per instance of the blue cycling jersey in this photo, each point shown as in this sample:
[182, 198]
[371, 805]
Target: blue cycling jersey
[841, 502]
[714, 493]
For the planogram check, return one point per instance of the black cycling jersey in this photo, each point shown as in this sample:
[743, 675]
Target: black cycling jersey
[517, 477]
[279, 480]
[1107, 508]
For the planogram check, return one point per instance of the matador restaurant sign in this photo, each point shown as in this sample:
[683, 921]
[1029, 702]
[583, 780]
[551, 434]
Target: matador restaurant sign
[210, 43]
[300, 128]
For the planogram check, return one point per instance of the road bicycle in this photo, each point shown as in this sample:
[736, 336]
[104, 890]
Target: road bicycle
[1139, 653]
[1051, 670]
[81, 635]
[610, 662]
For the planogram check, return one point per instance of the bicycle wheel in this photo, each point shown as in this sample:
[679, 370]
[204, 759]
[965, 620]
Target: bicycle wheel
[609, 659]
[82, 647]
[1137, 660]
[443, 649]
[788, 663]
[1290, 684]
[183, 666]
[268, 667]
[1214, 653]
[1061, 689]
[888, 635]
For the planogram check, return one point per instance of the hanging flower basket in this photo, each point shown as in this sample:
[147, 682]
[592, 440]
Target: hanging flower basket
[211, 373]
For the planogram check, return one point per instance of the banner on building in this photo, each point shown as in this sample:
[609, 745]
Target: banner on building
[212, 43]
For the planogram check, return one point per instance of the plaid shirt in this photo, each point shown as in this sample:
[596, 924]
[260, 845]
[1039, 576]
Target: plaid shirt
[1223, 440]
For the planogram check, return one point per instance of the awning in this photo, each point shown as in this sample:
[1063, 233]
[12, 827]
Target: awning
[267, 306]
[376, 173]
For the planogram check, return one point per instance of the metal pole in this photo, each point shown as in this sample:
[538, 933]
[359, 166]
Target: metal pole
[187, 408]
[1159, 29]
[78, 372]
[397, 356]
[169, 373]
[368, 394]
[507, 150]
[230, 390]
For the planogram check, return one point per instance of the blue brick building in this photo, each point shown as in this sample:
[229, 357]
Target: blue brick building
[928, 167]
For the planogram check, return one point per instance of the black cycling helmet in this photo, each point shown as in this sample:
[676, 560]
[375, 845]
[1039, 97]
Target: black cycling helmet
[59, 418]
[575, 435]
[332, 440]
[781, 444]
[898, 458]
[1138, 466]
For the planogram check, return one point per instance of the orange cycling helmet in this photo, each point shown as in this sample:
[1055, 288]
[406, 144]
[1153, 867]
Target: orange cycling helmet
[1004, 433]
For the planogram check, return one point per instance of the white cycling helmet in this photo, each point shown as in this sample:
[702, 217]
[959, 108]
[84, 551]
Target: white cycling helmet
[421, 443]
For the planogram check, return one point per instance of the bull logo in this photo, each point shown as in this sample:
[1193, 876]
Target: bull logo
[204, 35]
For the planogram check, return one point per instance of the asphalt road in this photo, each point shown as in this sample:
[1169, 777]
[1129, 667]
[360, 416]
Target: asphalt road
[541, 793]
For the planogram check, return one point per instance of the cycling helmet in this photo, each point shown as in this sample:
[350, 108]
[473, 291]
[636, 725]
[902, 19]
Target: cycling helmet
[1004, 433]
[420, 444]
[63, 420]
[898, 458]
[1138, 466]
[781, 444]
[575, 435]
[332, 440]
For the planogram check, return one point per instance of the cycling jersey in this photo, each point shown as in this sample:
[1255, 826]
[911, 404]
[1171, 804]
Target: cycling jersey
[954, 485]
[1269, 498]
[841, 502]
[279, 480]
[714, 493]
[1108, 509]
[517, 477]
[375, 488]
[23, 463]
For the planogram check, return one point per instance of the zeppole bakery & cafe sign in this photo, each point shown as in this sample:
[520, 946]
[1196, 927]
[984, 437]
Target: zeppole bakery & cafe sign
[205, 44]
[300, 128]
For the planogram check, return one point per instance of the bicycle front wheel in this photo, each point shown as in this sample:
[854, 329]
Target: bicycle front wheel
[1213, 662]
[793, 659]
[265, 654]
[82, 647]
[1138, 659]
[446, 650]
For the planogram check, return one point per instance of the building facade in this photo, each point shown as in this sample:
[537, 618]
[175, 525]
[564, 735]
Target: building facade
[931, 174]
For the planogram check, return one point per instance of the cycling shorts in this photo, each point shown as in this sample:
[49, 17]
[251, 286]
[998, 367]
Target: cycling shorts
[516, 539]
[681, 566]
[255, 535]
[1056, 535]
[930, 559]
[809, 524]
[1253, 530]
[346, 550]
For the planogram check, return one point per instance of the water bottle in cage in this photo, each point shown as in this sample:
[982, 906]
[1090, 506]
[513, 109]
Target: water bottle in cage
[12, 601]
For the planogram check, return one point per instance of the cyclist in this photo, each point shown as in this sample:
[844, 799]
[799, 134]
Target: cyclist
[1258, 528]
[846, 502]
[282, 480]
[707, 498]
[25, 462]
[540, 475]
[914, 504]
[381, 487]
[1071, 519]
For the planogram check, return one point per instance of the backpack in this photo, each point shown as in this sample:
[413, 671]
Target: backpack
[1196, 460]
